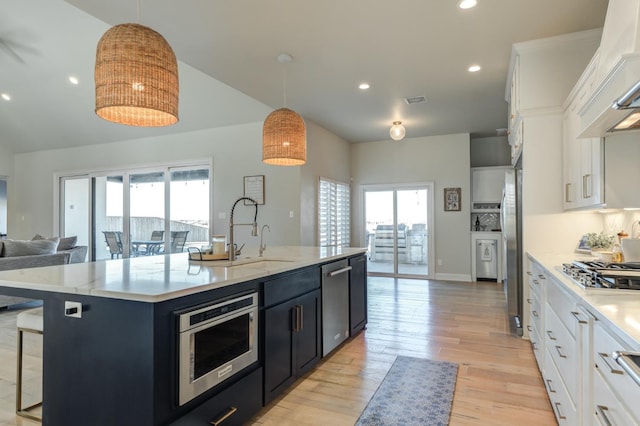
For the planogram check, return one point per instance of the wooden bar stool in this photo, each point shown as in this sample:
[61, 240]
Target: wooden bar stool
[29, 321]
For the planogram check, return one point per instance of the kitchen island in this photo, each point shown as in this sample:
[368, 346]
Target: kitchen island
[118, 362]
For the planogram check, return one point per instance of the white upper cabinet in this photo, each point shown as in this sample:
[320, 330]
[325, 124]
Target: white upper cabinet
[583, 158]
[541, 74]
[486, 185]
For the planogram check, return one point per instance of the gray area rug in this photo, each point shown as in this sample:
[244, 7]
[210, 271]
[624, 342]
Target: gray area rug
[414, 392]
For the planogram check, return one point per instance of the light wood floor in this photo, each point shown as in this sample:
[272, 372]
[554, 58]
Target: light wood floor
[498, 380]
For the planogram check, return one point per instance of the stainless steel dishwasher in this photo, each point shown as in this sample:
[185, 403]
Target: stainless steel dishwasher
[335, 305]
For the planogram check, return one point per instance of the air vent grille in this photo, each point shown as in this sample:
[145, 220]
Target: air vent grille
[415, 100]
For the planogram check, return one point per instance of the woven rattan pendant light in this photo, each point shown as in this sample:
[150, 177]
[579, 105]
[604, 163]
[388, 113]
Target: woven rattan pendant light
[136, 76]
[284, 135]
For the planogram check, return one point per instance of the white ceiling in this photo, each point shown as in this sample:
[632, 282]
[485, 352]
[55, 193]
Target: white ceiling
[229, 74]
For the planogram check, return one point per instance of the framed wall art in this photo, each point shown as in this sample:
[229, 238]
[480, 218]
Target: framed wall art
[254, 189]
[452, 199]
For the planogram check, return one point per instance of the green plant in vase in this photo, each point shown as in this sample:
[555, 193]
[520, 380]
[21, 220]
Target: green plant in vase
[601, 241]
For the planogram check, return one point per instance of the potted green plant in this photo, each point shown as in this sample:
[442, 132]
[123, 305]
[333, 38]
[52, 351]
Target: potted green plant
[600, 243]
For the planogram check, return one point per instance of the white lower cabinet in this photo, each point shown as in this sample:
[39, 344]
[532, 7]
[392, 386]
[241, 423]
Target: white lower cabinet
[616, 397]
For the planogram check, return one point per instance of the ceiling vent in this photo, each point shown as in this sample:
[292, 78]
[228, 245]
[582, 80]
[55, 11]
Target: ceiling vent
[415, 100]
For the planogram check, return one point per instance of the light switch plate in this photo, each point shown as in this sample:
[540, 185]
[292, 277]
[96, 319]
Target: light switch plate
[72, 309]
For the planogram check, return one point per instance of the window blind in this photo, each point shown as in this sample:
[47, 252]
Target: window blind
[334, 214]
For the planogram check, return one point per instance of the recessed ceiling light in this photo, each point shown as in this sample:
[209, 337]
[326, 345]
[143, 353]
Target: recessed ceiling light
[467, 4]
[474, 68]
[6, 97]
[73, 80]
[363, 86]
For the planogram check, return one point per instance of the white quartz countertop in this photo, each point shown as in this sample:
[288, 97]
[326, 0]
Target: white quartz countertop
[620, 309]
[159, 278]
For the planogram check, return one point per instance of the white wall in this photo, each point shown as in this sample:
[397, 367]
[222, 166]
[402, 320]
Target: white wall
[327, 156]
[236, 152]
[441, 159]
[490, 151]
[6, 172]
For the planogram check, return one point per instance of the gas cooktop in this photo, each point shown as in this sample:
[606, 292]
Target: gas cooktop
[602, 275]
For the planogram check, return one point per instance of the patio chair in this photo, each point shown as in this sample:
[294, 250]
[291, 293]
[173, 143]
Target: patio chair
[155, 248]
[178, 239]
[114, 242]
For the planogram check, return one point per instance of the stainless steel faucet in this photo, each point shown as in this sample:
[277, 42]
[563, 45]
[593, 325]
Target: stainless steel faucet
[254, 230]
[263, 247]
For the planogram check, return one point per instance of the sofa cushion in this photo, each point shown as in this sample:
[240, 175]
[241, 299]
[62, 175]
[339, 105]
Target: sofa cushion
[13, 248]
[66, 243]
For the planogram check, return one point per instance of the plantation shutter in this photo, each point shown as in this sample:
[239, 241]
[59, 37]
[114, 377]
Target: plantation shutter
[334, 214]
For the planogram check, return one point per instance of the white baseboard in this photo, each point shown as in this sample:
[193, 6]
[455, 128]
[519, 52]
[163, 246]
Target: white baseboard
[453, 277]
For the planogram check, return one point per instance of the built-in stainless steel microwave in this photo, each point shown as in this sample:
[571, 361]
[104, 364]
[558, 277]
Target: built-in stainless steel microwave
[215, 342]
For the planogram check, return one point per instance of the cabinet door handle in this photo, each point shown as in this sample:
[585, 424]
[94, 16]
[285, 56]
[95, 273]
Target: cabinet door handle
[230, 412]
[529, 301]
[601, 411]
[295, 317]
[586, 186]
[529, 273]
[301, 322]
[535, 282]
[542, 277]
[550, 334]
[567, 193]
[534, 345]
[576, 315]
[560, 415]
[605, 359]
[340, 271]
[534, 313]
[529, 328]
[551, 389]
[559, 350]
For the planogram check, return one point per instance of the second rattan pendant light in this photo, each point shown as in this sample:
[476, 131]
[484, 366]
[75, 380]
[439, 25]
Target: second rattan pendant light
[284, 135]
[136, 76]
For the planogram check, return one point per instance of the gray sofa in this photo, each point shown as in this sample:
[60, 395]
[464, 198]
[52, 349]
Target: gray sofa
[76, 254]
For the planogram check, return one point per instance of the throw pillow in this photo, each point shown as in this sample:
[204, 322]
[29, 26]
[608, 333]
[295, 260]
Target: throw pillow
[29, 248]
[66, 243]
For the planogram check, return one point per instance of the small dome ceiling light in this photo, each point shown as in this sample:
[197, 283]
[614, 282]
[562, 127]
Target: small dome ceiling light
[6, 96]
[397, 131]
[467, 4]
[364, 86]
[73, 80]
[474, 68]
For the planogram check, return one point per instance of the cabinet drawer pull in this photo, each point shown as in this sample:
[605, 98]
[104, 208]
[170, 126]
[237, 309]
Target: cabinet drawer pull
[542, 277]
[601, 411]
[529, 273]
[567, 193]
[534, 345]
[529, 328]
[230, 412]
[576, 315]
[551, 389]
[550, 334]
[560, 415]
[340, 271]
[605, 359]
[534, 313]
[559, 349]
[529, 301]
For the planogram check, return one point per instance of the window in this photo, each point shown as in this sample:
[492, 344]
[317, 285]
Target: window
[334, 214]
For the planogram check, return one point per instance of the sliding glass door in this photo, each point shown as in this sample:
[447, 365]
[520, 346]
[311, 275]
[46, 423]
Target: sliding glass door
[137, 212]
[397, 221]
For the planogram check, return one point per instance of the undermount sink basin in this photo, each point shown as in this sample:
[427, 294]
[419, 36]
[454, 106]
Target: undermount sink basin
[246, 261]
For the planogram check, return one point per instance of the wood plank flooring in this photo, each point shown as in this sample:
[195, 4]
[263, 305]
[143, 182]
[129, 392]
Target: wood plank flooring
[498, 381]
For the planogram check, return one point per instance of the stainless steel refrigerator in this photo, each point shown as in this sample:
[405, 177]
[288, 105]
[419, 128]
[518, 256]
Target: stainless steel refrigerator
[511, 220]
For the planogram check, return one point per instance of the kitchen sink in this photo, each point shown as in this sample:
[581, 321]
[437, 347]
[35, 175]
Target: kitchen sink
[247, 261]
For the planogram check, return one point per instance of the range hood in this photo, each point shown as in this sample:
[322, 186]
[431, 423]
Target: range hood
[615, 105]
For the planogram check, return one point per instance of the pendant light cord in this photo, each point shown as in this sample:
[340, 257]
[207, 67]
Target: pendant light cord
[284, 84]
[138, 11]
